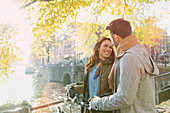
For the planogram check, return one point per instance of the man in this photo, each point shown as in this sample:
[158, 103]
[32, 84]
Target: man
[134, 71]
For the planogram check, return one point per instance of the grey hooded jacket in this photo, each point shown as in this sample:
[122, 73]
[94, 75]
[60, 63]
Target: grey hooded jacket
[134, 84]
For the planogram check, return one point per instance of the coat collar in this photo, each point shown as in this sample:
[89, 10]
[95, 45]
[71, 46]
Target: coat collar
[126, 44]
[131, 50]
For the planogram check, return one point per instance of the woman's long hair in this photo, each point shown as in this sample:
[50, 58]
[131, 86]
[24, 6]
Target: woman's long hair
[95, 56]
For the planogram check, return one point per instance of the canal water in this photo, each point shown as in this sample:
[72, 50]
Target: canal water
[35, 90]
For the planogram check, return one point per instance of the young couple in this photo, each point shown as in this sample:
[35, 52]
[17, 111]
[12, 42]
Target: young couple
[126, 82]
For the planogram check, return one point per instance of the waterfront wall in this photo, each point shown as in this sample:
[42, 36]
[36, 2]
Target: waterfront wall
[67, 74]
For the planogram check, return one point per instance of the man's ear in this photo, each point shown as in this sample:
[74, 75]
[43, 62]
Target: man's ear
[98, 49]
[116, 38]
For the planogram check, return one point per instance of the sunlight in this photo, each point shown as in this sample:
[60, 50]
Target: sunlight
[11, 14]
[22, 86]
[13, 88]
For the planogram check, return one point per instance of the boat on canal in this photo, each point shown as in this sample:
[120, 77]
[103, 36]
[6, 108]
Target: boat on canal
[29, 70]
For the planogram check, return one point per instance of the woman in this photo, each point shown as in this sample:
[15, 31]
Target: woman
[97, 70]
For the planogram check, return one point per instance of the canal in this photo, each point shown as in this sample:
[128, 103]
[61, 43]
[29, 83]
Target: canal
[35, 90]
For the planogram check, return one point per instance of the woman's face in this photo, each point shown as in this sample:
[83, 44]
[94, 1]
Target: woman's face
[105, 49]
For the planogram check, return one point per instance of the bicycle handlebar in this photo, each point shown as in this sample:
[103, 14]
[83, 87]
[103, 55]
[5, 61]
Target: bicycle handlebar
[78, 101]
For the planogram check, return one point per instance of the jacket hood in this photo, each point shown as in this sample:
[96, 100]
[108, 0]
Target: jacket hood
[145, 58]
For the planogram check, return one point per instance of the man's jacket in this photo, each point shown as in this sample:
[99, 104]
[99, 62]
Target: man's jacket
[134, 84]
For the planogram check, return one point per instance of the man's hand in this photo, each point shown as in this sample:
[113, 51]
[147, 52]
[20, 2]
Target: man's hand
[91, 102]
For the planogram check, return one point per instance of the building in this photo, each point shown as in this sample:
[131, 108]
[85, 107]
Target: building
[66, 52]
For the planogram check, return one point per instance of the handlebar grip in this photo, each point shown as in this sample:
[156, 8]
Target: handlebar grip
[72, 93]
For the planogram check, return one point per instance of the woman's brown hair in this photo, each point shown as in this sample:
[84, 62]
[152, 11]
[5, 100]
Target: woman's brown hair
[95, 56]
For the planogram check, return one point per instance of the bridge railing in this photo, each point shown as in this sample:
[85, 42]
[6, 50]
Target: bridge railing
[29, 109]
[162, 87]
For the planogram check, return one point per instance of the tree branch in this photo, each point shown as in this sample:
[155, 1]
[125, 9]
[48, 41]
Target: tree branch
[28, 4]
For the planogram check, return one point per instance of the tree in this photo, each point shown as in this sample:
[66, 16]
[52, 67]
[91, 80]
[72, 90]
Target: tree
[42, 47]
[85, 35]
[148, 32]
[8, 51]
[52, 14]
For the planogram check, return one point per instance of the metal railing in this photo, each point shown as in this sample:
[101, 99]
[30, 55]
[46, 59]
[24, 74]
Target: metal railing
[26, 109]
[162, 87]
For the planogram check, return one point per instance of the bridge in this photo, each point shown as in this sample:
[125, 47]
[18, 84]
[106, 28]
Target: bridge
[64, 74]
[74, 73]
[67, 74]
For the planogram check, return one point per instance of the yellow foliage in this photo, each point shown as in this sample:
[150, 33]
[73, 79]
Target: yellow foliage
[51, 16]
[8, 51]
[148, 32]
